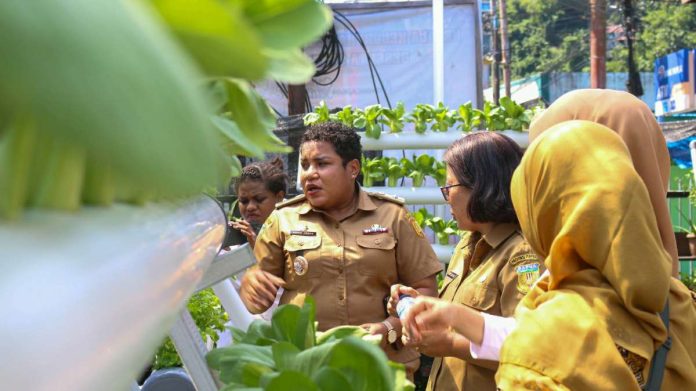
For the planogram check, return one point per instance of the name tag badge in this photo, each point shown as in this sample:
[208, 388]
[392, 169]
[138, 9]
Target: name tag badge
[375, 229]
[303, 233]
[452, 275]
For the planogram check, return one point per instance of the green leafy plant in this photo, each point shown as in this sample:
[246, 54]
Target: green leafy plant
[516, 116]
[418, 168]
[372, 170]
[146, 134]
[691, 228]
[420, 116]
[689, 280]
[321, 114]
[489, 117]
[394, 118]
[421, 216]
[443, 118]
[347, 116]
[288, 354]
[210, 318]
[439, 173]
[393, 171]
[373, 127]
[442, 229]
[465, 117]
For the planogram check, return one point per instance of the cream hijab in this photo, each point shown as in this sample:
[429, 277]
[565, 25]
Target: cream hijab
[583, 207]
[634, 122]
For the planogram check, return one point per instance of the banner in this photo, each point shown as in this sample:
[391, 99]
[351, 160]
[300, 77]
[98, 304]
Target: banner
[674, 81]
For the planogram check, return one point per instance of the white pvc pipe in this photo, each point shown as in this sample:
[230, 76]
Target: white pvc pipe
[240, 317]
[443, 252]
[86, 298]
[438, 52]
[412, 195]
[428, 140]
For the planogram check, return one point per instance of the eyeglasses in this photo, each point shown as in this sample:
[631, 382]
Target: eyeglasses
[445, 190]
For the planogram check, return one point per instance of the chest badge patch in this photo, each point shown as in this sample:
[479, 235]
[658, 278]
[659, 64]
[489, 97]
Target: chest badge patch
[527, 275]
[303, 232]
[375, 229]
[300, 265]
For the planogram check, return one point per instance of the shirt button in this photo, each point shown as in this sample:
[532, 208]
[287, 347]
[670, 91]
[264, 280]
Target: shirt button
[337, 226]
[338, 245]
[340, 297]
[300, 243]
[340, 270]
[378, 241]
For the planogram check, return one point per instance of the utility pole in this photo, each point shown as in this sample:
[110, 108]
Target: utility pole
[633, 84]
[495, 81]
[505, 46]
[598, 43]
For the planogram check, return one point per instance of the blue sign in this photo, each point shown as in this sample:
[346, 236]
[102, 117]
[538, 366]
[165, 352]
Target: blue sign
[674, 81]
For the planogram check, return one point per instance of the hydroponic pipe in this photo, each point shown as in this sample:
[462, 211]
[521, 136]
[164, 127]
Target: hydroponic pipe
[86, 298]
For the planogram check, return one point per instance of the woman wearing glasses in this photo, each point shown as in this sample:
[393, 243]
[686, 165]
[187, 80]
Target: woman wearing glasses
[492, 266]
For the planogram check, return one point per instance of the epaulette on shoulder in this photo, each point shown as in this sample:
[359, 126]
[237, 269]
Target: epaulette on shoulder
[387, 197]
[291, 201]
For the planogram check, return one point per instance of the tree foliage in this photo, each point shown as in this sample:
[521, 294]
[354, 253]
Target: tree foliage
[550, 35]
[553, 35]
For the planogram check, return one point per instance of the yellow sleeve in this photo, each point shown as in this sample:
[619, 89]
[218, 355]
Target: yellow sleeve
[268, 249]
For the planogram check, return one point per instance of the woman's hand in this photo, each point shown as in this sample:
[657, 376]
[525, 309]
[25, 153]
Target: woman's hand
[259, 289]
[246, 228]
[427, 315]
[434, 344]
[394, 293]
[378, 328]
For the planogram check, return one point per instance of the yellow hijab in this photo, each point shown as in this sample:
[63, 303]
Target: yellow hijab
[582, 206]
[636, 125]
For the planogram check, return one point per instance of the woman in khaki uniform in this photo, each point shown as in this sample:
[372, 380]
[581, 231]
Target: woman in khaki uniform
[341, 245]
[492, 266]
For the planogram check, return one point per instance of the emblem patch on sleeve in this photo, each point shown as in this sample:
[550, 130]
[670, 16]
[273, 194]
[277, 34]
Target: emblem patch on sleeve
[415, 226]
[527, 275]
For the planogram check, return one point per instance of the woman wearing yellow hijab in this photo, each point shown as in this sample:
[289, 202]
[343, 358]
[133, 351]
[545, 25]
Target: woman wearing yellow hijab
[636, 125]
[593, 323]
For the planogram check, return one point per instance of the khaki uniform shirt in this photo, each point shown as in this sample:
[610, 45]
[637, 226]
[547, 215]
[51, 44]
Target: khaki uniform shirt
[347, 266]
[491, 276]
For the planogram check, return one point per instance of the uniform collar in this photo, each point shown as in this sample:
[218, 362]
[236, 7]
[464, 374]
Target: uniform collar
[364, 202]
[499, 233]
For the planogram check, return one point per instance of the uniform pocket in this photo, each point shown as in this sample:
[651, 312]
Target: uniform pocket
[483, 298]
[377, 254]
[302, 259]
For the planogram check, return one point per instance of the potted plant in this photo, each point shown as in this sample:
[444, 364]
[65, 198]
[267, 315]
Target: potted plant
[690, 232]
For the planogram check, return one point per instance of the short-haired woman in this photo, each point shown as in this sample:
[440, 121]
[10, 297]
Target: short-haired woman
[343, 246]
[492, 266]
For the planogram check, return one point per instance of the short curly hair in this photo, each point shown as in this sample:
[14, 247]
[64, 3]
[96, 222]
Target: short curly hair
[270, 173]
[345, 140]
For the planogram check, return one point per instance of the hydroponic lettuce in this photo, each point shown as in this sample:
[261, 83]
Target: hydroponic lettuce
[288, 354]
[508, 116]
[100, 102]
